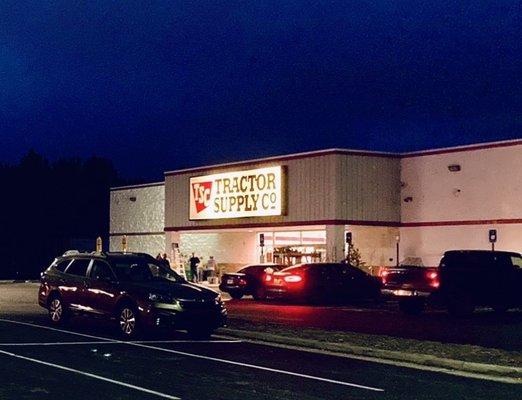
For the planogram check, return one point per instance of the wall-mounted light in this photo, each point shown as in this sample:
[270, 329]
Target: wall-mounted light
[454, 167]
[408, 199]
[132, 198]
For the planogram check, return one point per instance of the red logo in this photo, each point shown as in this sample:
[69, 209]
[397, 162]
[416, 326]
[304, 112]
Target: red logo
[202, 191]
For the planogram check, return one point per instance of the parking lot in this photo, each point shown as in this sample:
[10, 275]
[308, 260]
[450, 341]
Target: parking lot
[85, 359]
[485, 328]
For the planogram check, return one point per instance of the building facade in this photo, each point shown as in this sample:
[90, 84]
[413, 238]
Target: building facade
[300, 207]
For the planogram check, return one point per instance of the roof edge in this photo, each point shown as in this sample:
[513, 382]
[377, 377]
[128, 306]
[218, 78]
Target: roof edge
[137, 186]
[285, 157]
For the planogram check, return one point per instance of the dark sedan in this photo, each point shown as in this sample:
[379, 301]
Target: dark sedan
[322, 282]
[248, 280]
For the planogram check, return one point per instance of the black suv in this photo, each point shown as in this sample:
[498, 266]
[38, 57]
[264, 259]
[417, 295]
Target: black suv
[131, 288]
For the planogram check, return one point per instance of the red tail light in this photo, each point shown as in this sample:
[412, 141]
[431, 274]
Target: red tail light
[433, 275]
[293, 278]
[384, 275]
[433, 279]
[242, 282]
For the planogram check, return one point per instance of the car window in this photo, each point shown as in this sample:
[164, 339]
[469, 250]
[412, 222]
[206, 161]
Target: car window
[78, 267]
[251, 269]
[517, 262]
[355, 272]
[101, 270]
[296, 268]
[61, 265]
[135, 270]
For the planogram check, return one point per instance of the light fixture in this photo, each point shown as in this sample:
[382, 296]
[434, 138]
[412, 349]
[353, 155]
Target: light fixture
[454, 167]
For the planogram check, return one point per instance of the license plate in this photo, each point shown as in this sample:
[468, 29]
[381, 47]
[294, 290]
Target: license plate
[230, 281]
[402, 292]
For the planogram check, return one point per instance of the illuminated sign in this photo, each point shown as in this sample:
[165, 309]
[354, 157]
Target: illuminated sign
[252, 193]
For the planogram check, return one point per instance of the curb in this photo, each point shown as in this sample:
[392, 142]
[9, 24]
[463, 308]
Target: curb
[4, 282]
[496, 372]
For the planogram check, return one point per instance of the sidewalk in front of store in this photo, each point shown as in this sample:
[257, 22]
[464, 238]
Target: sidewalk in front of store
[465, 360]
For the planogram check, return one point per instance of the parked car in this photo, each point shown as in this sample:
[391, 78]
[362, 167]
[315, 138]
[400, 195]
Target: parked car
[464, 280]
[317, 282]
[130, 288]
[249, 280]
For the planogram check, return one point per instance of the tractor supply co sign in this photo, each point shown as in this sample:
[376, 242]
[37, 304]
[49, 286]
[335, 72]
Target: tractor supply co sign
[252, 193]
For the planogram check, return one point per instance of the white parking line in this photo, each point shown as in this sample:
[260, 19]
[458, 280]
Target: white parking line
[220, 360]
[101, 378]
[15, 344]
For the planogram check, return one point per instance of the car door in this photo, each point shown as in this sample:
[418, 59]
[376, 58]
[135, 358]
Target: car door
[73, 284]
[101, 288]
[334, 282]
[355, 283]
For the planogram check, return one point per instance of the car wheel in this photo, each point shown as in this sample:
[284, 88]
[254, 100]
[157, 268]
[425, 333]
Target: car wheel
[500, 308]
[411, 306]
[259, 293]
[128, 321]
[58, 313]
[200, 333]
[236, 295]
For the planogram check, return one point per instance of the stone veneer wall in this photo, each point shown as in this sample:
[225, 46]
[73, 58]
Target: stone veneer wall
[141, 220]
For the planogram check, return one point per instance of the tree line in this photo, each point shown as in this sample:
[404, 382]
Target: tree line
[49, 207]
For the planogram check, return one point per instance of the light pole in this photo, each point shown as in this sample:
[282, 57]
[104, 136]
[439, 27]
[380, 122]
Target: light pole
[397, 248]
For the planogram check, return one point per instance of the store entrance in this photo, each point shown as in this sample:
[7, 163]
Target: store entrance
[293, 247]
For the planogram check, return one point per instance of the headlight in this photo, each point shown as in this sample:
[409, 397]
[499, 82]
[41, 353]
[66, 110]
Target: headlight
[159, 298]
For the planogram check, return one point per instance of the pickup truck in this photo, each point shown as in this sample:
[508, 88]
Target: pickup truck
[463, 280]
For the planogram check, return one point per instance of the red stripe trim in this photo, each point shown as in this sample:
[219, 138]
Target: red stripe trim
[137, 234]
[282, 224]
[468, 222]
[347, 222]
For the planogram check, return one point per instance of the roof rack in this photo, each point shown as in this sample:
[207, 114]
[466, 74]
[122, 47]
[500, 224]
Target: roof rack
[78, 252]
[128, 253]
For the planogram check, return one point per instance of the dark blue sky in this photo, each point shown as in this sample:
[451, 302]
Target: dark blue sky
[183, 83]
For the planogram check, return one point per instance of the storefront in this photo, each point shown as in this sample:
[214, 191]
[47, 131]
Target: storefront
[299, 208]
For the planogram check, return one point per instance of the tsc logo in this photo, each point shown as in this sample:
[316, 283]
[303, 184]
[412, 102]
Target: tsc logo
[202, 191]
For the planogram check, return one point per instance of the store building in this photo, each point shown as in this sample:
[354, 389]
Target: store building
[302, 205]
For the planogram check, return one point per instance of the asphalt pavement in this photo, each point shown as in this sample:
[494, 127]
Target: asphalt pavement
[85, 360]
[485, 328]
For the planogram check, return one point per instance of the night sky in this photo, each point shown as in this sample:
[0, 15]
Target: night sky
[185, 83]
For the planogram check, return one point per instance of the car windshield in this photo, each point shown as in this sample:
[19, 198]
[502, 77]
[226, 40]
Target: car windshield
[296, 268]
[143, 271]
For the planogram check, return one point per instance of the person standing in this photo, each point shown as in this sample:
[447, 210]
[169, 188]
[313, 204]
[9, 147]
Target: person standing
[165, 261]
[194, 261]
[211, 268]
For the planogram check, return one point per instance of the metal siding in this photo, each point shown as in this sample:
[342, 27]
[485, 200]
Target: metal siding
[369, 188]
[316, 188]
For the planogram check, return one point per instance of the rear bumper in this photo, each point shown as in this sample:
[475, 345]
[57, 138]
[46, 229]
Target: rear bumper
[283, 293]
[233, 288]
[398, 292]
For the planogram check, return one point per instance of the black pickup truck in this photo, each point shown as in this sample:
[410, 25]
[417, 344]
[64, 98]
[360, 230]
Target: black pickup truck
[464, 280]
